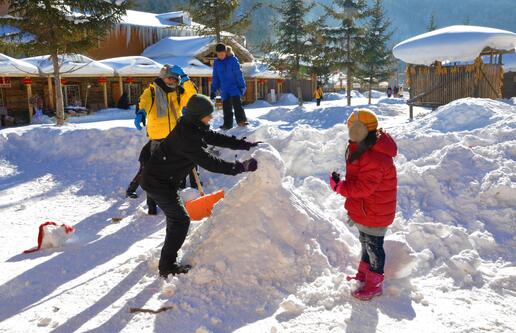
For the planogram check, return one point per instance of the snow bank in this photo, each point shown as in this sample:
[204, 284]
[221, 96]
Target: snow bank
[458, 43]
[374, 94]
[261, 243]
[334, 96]
[104, 115]
[287, 99]
[258, 104]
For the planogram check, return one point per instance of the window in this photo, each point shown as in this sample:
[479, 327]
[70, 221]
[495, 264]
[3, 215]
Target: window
[134, 90]
[72, 95]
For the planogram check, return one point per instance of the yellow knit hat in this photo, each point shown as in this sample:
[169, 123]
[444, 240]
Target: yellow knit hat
[366, 117]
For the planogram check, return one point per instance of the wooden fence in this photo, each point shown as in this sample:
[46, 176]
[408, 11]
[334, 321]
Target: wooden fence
[437, 85]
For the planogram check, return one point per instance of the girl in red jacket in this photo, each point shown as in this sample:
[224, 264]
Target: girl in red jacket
[370, 188]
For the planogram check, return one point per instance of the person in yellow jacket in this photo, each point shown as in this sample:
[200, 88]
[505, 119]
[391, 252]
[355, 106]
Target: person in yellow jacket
[159, 108]
[318, 94]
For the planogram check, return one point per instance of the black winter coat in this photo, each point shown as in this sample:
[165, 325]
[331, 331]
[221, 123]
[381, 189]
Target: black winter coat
[182, 149]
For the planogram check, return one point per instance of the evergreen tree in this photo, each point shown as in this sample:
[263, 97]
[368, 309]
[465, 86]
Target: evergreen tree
[345, 40]
[319, 52]
[293, 40]
[57, 27]
[220, 15]
[376, 61]
[432, 25]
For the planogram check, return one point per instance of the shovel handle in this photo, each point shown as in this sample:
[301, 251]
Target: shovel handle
[198, 182]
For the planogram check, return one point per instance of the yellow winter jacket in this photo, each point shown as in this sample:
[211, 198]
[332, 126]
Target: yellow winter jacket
[159, 128]
[318, 93]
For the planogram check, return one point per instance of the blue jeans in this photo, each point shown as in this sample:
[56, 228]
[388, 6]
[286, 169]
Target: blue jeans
[372, 251]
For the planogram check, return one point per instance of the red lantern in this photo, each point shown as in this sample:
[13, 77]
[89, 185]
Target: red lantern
[210, 79]
[262, 81]
[27, 81]
[129, 80]
[101, 80]
[64, 82]
[280, 81]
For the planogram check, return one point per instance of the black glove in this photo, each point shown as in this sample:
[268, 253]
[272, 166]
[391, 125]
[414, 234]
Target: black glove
[246, 145]
[249, 165]
[335, 180]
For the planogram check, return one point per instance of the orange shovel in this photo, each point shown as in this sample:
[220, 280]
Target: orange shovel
[201, 207]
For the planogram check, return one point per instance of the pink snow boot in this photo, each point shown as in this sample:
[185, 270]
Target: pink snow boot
[371, 288]
[363, 268]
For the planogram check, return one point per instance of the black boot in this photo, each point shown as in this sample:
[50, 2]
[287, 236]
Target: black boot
[174, 270]
[131, 190]
[152, 207]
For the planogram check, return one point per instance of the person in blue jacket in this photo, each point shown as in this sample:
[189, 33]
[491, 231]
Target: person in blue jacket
[228, 78]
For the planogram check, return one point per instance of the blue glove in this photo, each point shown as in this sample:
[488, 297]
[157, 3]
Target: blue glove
[213, 95]
[184, 78]
[140, 119]
[242, 91]
[177, 70]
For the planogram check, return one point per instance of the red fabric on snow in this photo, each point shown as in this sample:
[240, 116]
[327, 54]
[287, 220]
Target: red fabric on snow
[371, 184]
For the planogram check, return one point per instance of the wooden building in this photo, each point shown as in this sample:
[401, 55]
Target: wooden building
[455, 62]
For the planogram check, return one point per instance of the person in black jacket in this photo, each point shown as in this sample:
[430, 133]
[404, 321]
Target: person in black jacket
[175, 157]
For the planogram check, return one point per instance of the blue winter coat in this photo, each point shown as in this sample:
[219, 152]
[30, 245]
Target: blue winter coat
[228, 77]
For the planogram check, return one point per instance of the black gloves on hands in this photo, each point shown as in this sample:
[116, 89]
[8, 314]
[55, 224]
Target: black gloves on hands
[249, 165]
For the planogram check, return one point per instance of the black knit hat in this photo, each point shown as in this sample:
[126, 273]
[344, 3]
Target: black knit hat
[198, 107]
[220, 47]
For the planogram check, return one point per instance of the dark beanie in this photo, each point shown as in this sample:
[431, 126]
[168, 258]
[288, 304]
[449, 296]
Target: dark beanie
[220, 47]
[198, 107]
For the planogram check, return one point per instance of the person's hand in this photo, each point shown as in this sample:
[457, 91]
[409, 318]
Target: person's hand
[334, 180]
[213, 95]
[178, 70]
[139, 119]
[242, 91]
[184, 78]
[249, 165]
[246, 145]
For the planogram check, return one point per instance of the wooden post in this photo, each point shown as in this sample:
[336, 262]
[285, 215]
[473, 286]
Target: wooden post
[411, 111]
[121, 85]
[29, 97]
[255, 89]
[104, 88]
[50, 93]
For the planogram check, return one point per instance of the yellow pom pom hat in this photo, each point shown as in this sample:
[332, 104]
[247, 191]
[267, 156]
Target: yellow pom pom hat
[361, 122]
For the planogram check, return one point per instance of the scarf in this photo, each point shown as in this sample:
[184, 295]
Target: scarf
[162, 91]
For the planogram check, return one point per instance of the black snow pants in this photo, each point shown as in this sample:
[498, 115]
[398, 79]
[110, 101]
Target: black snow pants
[228, 105]
[178, 223]
[372, 251]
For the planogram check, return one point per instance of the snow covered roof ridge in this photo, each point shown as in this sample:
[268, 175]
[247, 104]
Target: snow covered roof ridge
[15, 67]
[71, 65]
[457, 43]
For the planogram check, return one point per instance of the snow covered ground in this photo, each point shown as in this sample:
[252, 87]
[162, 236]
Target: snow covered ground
[275, 253]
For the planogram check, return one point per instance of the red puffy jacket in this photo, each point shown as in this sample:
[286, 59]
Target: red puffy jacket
[371, 184]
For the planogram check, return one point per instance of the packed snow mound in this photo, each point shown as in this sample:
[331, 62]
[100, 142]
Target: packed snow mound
[468, 114]
[326, 117]
[104, 115]
[334, 96]
[460, 43]
[262, 241]
[94, 158]
[374, 94]
[258, 104]
[387, 100]
[287, 99]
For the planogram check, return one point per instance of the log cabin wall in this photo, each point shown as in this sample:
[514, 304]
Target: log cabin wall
[439, 85]
[509, 85]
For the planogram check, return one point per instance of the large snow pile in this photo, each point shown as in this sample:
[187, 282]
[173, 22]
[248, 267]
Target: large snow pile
[334, 96]
[262, 242]
[287, 99]
[375, 94]
[458, 43]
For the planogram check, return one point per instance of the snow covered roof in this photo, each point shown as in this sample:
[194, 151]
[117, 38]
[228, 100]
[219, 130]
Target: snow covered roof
[179, 47]
[183, 51]
[259, 71]
[14, 67]
[190, 65]
[458, 43]
[164, 20]
[133, 66]
[72, 65]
